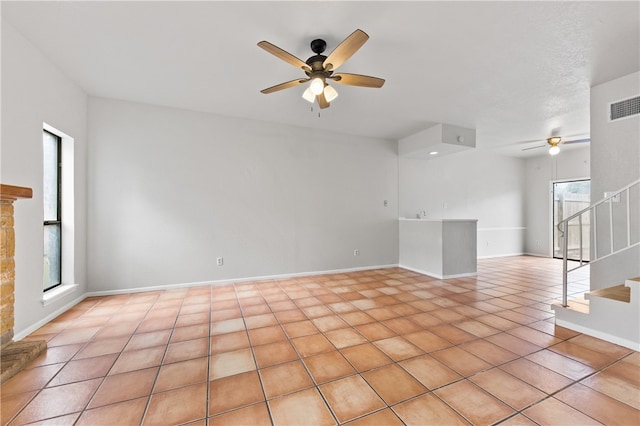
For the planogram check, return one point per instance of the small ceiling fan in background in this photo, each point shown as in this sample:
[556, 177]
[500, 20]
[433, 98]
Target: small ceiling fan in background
[554, 143]
[319, 69]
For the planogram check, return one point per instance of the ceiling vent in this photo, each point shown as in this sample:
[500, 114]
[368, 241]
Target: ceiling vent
[623, 109]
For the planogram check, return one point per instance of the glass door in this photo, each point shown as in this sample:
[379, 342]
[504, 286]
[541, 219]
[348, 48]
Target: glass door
[569, 198]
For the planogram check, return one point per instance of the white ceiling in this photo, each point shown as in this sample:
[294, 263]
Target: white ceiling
[514, 71]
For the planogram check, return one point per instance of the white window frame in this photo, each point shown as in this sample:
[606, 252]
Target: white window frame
[67, 205]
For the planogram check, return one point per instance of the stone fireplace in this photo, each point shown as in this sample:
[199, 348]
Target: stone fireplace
[13, 355]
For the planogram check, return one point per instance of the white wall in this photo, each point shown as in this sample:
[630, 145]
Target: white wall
[615, 162]
[474, 184]
[540, 172]
[33, 92]
[170, 190]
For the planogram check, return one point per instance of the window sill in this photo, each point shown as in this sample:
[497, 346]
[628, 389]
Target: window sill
[58, 293]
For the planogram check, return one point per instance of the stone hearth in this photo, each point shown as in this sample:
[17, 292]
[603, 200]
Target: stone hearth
[13, 355]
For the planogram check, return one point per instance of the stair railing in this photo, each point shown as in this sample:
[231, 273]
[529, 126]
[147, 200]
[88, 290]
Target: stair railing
[591, 211]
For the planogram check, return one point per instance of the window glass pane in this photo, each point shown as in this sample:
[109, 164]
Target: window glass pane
[50, 176]
[51, 274]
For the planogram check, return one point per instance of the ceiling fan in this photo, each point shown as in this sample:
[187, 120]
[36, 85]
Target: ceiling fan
[319, 69]
[554, 143]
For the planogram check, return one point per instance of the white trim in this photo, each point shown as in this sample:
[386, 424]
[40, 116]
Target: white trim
[506, 228]
[58, 293]
[423, 272]
[546, 256]
[233, 280]
[438, 276]
[491, 256]
[426, 219]
[569, 180]
[61, 291]
[27, 331]
[468, 274]
[599, 334]
[614, 253]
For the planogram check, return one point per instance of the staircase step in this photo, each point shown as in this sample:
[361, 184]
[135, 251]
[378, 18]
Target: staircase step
[621, 293]
[577, 305]
[610, 314]
[580, 305]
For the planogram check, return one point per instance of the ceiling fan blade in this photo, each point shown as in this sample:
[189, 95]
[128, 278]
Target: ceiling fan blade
[358, 80]
[534, 147]
[526, 142]
[345, 50]
[322, 101]
[284, 55]
[283, 86]
[576, 141]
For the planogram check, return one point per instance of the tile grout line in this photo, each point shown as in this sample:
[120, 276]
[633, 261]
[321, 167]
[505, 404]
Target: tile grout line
[145, 412]
[330, 291]
[84, 346]
[396, 362]
[255, 361]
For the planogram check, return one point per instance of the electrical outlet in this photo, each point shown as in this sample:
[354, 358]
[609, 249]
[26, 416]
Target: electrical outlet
[356, 252]
[219, 261]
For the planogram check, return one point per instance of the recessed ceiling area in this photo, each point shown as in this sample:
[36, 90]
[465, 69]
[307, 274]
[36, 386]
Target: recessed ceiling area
[513, 71]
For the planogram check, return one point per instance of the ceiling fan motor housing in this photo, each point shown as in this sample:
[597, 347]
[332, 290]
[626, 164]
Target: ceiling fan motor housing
[316, 62]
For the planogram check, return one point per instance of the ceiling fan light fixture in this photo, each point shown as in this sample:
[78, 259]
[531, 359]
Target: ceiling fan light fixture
[316, 86]
[554, 141]
[308, 95]
[330, 93]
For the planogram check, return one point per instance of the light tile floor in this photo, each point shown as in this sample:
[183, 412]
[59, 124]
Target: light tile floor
[378, 347]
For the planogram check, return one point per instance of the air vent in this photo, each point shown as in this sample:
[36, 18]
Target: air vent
[624, 109]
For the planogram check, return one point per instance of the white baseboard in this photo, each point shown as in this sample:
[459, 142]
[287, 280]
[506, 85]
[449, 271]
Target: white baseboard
[470, 274]
[599, 334]
[234, 280]
[438, 276]
[420, 271]
[493, 256]
[30, 329]
[24, 333]
[546, 256]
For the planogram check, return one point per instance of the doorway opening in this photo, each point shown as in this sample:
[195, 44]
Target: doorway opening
[570, 197]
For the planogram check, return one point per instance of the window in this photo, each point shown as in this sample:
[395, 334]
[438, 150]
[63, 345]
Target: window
[58, 159]
[52, 198]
